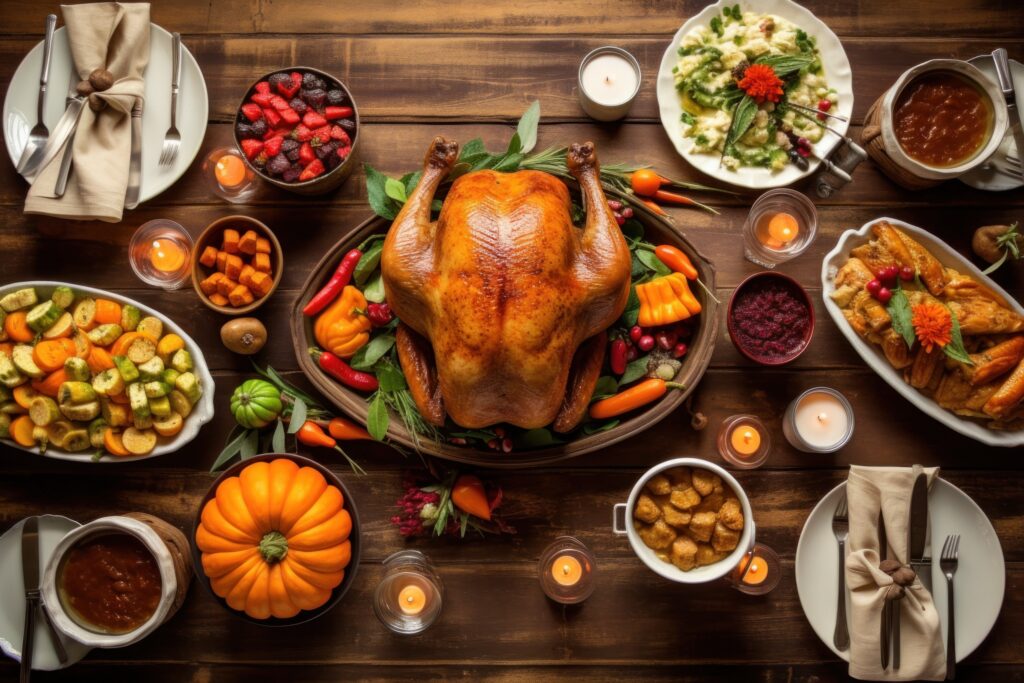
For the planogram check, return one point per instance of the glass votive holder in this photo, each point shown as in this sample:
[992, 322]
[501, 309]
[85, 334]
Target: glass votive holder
[781, 224]
[228, 175]
[408, 598]
[744, 442]
[566, 571]
[608, 80]
[820, 420]
[160, 253]
[758, 572]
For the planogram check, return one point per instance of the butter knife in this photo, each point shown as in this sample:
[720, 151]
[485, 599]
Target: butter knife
[131, 198]
[1005, 78]
[65, 161]
[919, 527]
[30, 577]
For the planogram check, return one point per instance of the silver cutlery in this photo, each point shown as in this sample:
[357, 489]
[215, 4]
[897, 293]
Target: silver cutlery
[841, 529]
[884, 636]
[948, 562]
[37, 137]
[30, 576]
[1005, 78]
[64, 171]
[172, 140]
[919, 528]
[131, 198]
[815, 112]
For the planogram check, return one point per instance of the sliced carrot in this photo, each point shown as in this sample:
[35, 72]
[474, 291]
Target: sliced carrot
[21, 431]
[121, 398]
[6, 348]
[83, 347]
[122, 343]
[99, 360]
[49, 355]
[112, 442]
[16, 327]
[50, 385]
[209, 257]
[107, 311]
[231, 241]
[23, 395]
[69, 345]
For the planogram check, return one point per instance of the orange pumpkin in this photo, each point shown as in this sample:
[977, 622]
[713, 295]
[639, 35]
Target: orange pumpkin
[275, 539]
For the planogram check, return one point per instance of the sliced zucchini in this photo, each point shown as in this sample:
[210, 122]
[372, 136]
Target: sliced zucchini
[76, 392]
[62, 296]
[81, 412]
[138, 401]
[130, 316]
[116, 414]
[84, 313]
[9, 374]
[76, 440]
[141, 350]
[143, 422]
[3, 319]
[82, 344]
[182, 361]
[160, 407]
[41, 437]
[5, 426]
[77, 369]
[7, 395]
[43, 410]
[151, 327]
[151, 370]
[108, 383]
[43, 316]
[168, 346]
[61, 328]
[58, 429]
[170, 375]
[96, 429]
[105, 335]
[22, 357]
[139, 441]
[157, 388]
[179, 403]
[23, 298]
[168, 425]
[129, 373]
[188, 384]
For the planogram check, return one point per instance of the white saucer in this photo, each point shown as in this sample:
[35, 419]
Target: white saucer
[992, 176]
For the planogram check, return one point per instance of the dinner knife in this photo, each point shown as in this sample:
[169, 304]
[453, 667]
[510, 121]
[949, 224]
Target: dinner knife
[30, 576]
[919, 527]
[64, 171]
[61, 132]
[131, 199]
[1005, 77]
[883, 636]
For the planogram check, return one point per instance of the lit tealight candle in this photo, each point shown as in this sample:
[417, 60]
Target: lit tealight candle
[609, 80]
[412, 599]
[757, 572]
[783, 228]
[819, 421]
[566, 570]
[166, 256]
[745, 440]
[229, 171]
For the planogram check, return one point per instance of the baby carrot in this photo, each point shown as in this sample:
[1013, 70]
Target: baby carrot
[676, 260]
[639, 395]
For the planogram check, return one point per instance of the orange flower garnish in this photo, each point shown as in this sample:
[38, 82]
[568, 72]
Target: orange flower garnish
[932, 323]
[760, 82]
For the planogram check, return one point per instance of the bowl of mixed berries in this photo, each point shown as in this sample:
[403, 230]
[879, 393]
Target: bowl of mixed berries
[298, 129]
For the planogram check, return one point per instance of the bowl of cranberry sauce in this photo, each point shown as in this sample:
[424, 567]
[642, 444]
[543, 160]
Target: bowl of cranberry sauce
[770, 319]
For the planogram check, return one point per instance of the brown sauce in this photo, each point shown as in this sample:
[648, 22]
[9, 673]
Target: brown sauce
[942, 119]
[110, 583]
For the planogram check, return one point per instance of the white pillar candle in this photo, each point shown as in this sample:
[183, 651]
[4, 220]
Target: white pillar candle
[609, 80]
[820, 420]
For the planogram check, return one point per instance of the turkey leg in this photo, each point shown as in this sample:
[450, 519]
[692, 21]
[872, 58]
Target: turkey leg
[417, 361]
[586, 368]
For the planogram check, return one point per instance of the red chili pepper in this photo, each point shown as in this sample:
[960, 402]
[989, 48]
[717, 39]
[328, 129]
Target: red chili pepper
[342, 276]
[618, 356]
[343, 372]
[379, 314]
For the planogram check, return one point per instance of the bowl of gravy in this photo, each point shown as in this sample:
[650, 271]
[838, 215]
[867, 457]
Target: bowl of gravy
[943, 118]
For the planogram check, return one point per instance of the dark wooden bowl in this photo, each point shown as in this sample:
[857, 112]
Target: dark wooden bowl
[730, 323]
[212, 234]
[658, 229]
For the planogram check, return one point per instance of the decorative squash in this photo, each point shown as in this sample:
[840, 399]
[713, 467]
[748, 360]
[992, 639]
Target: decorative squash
[344, 327]
[275, 539]
[256, 403]
[666, 300]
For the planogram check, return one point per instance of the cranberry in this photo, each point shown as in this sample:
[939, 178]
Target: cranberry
[614, 205]
[646, 343]
[636, 332]
[493, 444]
[506, 445]
[887, 275]
[666, 339]
[379, 314]
[884, 294]
[803, 142]
[906, 273]
[803, 151]
[619, 219]
[499, 432]
[680, 350]
[627, 212]
[873, 286]
[824, 105]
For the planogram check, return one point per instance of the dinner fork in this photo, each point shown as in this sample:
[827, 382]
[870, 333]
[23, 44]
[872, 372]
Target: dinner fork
[841, 529]
[40, 134]
[172, 140]
[948, 562]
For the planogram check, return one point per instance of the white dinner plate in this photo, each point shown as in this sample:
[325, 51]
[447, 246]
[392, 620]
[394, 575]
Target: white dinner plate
[52, 528]
[980, 579]
[837, 74]
[193, 106]
[872, 354]
[993, 175]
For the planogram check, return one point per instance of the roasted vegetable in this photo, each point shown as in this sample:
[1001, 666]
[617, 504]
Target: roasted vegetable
[344, 327]
[666, 300]
[22, 298]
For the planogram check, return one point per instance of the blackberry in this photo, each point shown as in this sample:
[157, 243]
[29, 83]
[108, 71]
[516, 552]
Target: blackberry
[259, 128]
[291, 174]
[335, 97]
[348, 125]
[280, 79]
[278, 165]
[311, 81]
[298, 105]
[315, 98]
[244, 130]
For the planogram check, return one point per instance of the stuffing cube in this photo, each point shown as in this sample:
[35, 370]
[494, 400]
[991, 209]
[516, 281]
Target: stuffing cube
[724, 540]
[209, 285]
[247, 242]
[711, 502]
[685, 499]
[245, 277]
[219, 299]
[659, 485]
[209, 257]
[646, 509]
[230, 242]
[657, 536]
[233, 267]
[222, 260]
[261, 262]
[684, 553]
[225, 285]
[262, 245]
[674, 516]
[704, 481]
[261, 284]
[702, 525]
[240, 296]
[730, 515]
[680, 476]
[706, 555]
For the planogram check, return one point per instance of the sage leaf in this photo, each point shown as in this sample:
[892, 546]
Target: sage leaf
[463, 524]
[368, 263]
[515, 145]
[632, 310]
[742, 118]
[395, 189]
[230, 450]
[536, 438]
[785, 65]
[377, 195]
[899, 311]
[633, 229]
[365, 245]
[601, 427]
[634, 371]
[368, 355]
[410, 181]
[377, 418]
[526, 131]
[509, 162]
[277, 441]
[390, 378]
[249, 445]
[374, 290]
[955, 348]
[606, 386]
[472, 148]
[652, 262]
[298, 417]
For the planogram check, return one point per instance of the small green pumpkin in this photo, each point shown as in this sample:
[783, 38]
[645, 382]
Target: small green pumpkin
[255, 403]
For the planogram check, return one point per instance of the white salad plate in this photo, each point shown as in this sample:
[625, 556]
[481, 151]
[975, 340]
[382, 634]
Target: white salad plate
[202, 412]
[837, 74]
[980, 579]
[193, 106]
[995, 175]
[52, 528]
[873, 356]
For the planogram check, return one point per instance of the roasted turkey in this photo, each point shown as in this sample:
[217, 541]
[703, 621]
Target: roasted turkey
[504, 302]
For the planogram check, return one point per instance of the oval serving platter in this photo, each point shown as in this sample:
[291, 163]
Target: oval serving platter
[873, 355]
[658, 230]
[201, 413]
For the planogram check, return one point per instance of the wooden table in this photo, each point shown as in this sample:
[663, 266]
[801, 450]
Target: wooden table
[465, 70]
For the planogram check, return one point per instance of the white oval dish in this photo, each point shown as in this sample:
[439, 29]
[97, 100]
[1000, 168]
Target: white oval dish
[873, 356]
[202, 412]
[837, 73]
[64, 623]
[707, 573]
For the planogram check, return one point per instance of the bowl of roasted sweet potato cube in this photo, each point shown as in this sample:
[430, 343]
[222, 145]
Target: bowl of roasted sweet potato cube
[688, 520]
[236, 265]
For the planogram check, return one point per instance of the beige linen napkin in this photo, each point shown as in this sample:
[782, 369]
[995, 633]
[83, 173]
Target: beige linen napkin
[922, 656]
[114, 36]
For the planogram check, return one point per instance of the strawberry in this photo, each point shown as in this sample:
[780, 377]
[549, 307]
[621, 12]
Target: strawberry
[252, 111]
[343, 152]
[288, 91]
[262, 99]
[263, 87]
[315, 168]
[290, 116]
[273, 146]
[306, 154]
[301, 133]
[313, 119]
[251, 148]
[279, 103]
[276, 133]
[338, 133]
[332, 113]
[273, 118]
